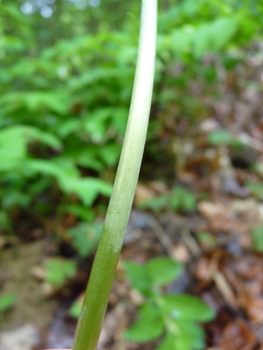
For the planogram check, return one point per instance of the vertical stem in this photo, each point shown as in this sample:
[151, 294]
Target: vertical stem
[104, 266]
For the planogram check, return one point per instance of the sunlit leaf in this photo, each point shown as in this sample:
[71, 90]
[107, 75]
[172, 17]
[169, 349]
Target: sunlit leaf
[222, 31]
[163, 270]
[138, 275]
[12, 147]
[187, 307]
[168, 343]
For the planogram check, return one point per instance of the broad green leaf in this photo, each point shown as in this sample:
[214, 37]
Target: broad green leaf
[168, 343]
[185, 343]
[67, 176]
[138, 275]
[35, 101]
[13, 144]
[7, 301]
[182, 40]
[12, 147]
[60, 168]
[149, 326]
[55, 101]
[156, 272]
[187, 307]
[58, 270]
[187, 336]
[213, 36]
[202, 41]
[163, 270]
[222, 31]
[191, 335]
[87, 189]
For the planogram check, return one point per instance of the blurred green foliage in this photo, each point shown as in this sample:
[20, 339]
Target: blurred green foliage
[84, 237]
[7, 301]
[59, 270]
[256, 189]
[172, 317]
[179, 198]
[66, 84]
[257, 236]
[223, 137]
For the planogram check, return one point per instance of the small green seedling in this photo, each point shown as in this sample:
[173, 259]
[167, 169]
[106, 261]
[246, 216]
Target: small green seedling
[180, 199]
[173, 319]
[207, 239]
[223, 137]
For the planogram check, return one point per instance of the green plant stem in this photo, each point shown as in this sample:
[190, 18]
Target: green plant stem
[104, 266]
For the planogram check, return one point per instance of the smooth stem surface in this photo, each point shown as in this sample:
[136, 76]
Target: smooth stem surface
[104, 266]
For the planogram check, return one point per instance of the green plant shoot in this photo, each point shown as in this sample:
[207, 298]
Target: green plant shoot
[104, 266]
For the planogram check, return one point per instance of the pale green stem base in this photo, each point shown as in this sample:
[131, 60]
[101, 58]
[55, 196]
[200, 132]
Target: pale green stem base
[104, 266]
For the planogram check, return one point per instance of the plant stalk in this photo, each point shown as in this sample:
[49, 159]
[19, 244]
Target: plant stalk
[110, 244]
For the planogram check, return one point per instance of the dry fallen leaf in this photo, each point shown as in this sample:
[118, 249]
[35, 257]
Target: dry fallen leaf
[237, 336]
[237, 216]
[142, 193]
[253, 306]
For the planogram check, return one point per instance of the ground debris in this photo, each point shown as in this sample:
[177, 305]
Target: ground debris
[24, 338]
